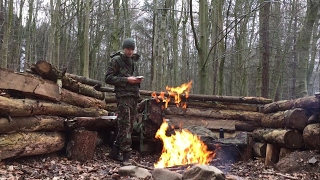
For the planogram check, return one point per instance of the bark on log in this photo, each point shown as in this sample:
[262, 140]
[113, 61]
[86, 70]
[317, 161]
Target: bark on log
[314, 119]
[90, 123]
[259, 149]
[311, 136]
[223, 105]
[28, 124]
[248, 126]
[81, 145]
[284, 138]
[278, 106]
[47, 71]
[200, 97]
[27, 107]
[30, 143]
[215, 114]
[84, 80]
[295, 119]
[310, 103]
[45, 89]
[212, 124]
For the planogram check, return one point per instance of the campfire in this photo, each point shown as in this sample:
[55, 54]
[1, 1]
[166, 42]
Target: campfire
[182, 147]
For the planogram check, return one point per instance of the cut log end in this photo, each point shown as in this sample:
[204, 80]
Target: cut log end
[43, 66]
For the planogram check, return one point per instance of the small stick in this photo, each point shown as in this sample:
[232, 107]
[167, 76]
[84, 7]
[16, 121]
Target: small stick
[280, 174]
[140, 165]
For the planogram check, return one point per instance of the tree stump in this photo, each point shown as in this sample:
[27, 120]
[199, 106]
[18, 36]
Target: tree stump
[81, 145]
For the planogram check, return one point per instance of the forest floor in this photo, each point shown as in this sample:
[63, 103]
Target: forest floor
[298, 165]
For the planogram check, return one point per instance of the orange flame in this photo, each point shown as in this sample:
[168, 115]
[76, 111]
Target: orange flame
[182, 148]
[174, 92]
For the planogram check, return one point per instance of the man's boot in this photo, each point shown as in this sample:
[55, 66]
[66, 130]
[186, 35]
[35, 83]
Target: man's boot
[115, 153]
[126, 159]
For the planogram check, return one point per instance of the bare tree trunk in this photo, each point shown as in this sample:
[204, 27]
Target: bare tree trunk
[86, 40]
[7, 34]
[265, 50]
[154, 69]
[303, 46]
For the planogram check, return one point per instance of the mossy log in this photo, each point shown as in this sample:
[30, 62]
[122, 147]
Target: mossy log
[281, 137]
[294, 119]
[28, 124]
[311, 136]
[30, 143]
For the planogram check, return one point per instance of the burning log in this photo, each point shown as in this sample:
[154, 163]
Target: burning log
[199, 97]
[47, 71]
[311, 136]
[281, 137]
[215, 114]
[81, 145]
[45, 89]
[295, 119]
[28, 107]
[28, 124]
[30, 143]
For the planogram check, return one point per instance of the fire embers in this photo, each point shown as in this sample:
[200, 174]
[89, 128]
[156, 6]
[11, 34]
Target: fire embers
[181, 148]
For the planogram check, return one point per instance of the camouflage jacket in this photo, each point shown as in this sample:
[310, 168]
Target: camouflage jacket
[120, 67]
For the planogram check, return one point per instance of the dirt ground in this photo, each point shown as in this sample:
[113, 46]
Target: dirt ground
[298, 165]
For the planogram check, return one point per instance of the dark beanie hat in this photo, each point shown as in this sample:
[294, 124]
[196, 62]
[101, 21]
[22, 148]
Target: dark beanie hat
[128, 43]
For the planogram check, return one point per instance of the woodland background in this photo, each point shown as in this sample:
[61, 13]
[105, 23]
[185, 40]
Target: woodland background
[263, 48]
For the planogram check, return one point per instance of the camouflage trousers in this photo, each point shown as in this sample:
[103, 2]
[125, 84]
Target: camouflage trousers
[127, 112]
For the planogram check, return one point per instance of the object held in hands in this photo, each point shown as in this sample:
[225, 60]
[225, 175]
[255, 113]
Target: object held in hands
[140, 77]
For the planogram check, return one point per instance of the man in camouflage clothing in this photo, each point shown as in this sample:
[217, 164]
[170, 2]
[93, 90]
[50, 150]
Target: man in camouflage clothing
[120, 74]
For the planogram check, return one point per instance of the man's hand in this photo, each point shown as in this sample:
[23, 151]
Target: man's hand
[134, 80]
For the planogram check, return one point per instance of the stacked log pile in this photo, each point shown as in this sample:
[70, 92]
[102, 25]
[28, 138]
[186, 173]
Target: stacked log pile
[37, 108]
[213, 112]
[286, 126]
